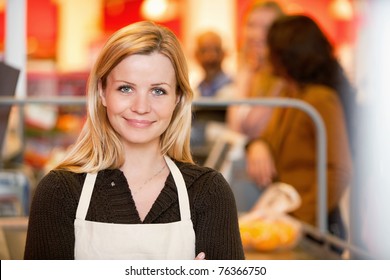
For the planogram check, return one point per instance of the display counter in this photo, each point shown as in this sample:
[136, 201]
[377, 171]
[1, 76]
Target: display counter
[304, 250]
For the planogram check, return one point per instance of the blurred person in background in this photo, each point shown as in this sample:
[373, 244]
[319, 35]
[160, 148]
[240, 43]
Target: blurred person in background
[254, 78]
[300, 53]
[210, 54]
[216, 84]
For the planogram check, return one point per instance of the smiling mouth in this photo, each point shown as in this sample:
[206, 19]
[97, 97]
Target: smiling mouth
[139, 123]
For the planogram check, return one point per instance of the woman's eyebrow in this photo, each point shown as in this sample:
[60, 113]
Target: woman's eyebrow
[160, 84]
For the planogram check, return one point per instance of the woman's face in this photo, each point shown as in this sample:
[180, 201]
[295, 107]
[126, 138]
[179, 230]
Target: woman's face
[256, 28]
[140, 97]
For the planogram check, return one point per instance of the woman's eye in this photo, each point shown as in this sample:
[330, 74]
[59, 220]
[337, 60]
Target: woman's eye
[158, 91]
[125, 89]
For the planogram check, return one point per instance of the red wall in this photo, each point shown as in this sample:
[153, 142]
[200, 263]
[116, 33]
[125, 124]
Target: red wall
[42, 22]
[2, 31]
[338, 31]
[116, 16]
[41, 28]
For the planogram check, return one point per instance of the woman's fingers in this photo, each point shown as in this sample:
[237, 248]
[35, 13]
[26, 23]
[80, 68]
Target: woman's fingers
[201, 256]
[260, 164]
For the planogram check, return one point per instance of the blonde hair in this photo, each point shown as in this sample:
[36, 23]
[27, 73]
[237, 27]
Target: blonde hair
[98, 146]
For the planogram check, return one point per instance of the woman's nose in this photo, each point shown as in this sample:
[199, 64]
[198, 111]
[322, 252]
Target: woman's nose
[140, 103]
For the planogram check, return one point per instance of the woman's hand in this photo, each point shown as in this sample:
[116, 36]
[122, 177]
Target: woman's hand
[201, 256]
[260, 163]
[255, 121]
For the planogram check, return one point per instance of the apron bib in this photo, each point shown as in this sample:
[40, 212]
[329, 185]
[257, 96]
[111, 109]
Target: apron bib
[96, 240]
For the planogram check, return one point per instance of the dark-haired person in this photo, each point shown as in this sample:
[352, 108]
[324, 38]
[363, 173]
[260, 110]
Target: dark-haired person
[302, 55]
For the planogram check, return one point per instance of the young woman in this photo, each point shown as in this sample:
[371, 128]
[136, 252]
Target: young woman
[128, 188]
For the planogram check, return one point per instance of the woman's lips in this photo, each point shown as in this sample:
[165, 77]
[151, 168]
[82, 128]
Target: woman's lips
[139, 123]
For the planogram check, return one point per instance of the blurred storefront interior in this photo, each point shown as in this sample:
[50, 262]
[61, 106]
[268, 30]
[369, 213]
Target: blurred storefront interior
[54, 43]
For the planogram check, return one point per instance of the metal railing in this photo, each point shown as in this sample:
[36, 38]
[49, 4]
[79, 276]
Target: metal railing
[273, 102]
[321, 142]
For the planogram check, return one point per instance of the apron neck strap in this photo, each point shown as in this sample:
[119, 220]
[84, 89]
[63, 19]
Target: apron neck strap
[85, 196]
[86, 192]
[184, 204]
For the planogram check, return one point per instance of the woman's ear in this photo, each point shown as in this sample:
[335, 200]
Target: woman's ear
[102, 94]
[178, 95]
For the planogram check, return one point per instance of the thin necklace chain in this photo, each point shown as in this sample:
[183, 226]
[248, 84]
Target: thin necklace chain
[150, 179]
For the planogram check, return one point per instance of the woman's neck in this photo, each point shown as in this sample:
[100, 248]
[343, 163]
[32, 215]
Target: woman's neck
[139, 157]
[292, 87]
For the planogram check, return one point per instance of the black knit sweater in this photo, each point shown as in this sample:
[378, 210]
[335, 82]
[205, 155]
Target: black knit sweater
[213, 211]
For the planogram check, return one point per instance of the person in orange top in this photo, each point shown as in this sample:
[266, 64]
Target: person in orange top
[286, 151]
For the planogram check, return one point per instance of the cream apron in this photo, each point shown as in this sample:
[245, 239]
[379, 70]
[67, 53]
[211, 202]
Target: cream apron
[96, 240]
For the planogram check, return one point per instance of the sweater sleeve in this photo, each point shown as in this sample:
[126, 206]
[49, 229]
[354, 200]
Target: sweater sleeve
[50, 233]
[216, 228]
[339, 160]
